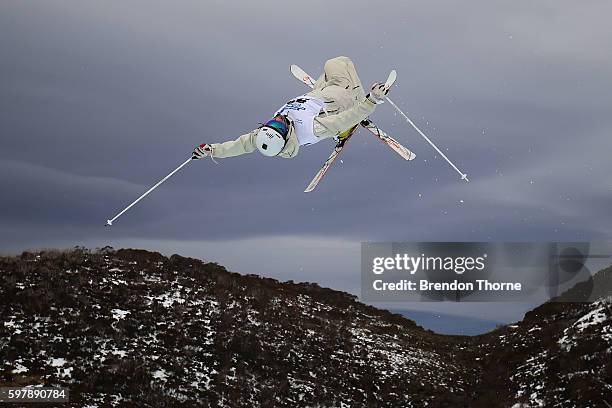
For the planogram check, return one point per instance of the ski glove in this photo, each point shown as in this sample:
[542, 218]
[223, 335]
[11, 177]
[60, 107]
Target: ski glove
[203, 150]
[378, 93]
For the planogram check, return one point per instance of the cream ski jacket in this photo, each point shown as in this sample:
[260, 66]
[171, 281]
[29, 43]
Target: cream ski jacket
[340, 89]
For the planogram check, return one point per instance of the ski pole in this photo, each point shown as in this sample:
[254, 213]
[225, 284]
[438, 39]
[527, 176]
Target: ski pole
[463, 175]
[110, 222]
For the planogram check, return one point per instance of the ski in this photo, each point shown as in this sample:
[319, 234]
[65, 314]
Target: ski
[332, 157]
[388, 140]
[406, 154]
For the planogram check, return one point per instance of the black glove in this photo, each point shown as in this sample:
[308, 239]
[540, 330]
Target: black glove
[378, 93]
[203, 150]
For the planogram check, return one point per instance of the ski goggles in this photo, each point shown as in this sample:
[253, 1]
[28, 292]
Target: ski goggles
[279, 124]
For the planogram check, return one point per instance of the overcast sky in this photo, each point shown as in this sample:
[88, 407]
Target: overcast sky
[98, 100]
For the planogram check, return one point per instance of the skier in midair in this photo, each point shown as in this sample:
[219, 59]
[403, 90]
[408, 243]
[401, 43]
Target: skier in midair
[331, 110]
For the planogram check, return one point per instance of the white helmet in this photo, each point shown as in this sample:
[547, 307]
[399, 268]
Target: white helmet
[269, 141]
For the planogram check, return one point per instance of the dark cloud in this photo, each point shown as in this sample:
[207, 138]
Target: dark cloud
[98, 101]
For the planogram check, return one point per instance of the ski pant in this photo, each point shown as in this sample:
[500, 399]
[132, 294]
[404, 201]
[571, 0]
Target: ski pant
[338, 86]
[345, 102]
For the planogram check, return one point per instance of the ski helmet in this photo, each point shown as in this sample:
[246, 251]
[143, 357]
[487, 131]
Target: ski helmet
[271, 137]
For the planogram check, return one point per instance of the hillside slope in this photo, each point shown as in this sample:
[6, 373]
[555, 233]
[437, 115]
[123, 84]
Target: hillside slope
[559, 355]
[132, 327]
